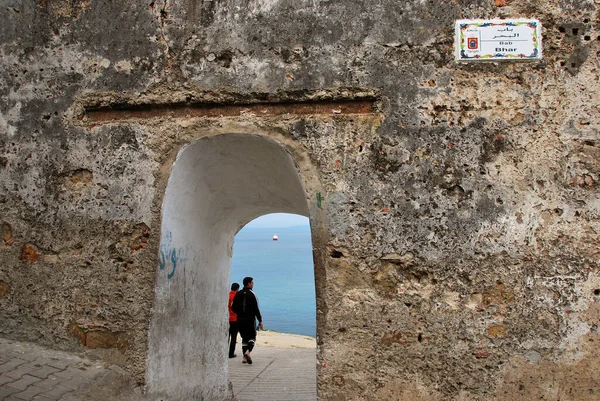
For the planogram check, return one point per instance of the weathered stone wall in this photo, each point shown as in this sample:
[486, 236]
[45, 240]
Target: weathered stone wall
[462, 218]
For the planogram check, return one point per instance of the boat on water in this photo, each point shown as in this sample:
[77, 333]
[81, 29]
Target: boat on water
[275, 238]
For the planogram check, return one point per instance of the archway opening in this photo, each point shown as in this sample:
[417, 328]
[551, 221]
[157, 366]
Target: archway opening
[276, 250]
[217, 185]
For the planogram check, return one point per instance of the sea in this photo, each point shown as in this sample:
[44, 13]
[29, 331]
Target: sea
[283, 273]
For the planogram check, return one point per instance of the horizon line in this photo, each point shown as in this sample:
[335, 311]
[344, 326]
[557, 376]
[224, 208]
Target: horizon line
[293, 225]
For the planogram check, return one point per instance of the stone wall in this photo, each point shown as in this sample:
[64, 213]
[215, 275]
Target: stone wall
[459, 243]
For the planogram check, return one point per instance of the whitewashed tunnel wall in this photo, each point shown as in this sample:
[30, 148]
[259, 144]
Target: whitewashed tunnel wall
[217, 185]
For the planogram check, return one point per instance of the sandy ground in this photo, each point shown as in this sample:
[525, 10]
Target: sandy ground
[282, 340]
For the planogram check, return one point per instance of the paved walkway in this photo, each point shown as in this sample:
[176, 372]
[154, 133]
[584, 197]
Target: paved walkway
[276, 374]
[29, 372]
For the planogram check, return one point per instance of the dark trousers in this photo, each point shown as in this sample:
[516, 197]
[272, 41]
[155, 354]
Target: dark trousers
[248, 332]
[233, 331]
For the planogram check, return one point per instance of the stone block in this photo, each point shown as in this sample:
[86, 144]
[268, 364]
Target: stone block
[30, 355]
[61, 364]
[106, 339]
[5, 391]
[42, 398]
[19, 371]
[77, 332]
[67, 374]
[43, 372]
[24, 382]
[6, 379]
[48, 383]
[7, 234]
[497, 331]
[30, 253]
[11, 365]
[56, 392]
[75, 382]
[29, 393]
[3, 288]
[79, 180]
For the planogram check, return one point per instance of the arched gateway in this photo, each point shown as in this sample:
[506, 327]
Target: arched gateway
[217, 185]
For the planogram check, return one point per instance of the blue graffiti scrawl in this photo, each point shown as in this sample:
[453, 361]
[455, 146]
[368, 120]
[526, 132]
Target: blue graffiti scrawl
[169, 256]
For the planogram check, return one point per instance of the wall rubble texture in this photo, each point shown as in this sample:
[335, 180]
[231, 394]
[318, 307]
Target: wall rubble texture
[462, 220]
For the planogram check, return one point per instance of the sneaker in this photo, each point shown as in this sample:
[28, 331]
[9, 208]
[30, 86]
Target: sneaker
[248, 359]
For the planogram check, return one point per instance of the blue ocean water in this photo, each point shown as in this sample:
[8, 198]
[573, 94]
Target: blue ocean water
[283, 273]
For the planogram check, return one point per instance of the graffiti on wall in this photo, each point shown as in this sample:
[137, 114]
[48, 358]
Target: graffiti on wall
[170, 256]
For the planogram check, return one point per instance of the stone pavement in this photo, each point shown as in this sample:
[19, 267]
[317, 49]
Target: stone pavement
[29, 372]
[276, 374]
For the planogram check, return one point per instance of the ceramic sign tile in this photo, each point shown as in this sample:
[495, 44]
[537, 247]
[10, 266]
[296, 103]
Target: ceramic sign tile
[518, 39]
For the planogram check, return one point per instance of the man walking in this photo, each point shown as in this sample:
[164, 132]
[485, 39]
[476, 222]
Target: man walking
[233, 326]
[245, 306]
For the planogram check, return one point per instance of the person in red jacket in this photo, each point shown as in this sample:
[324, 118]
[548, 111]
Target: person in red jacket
[233, 326]
[245, 306]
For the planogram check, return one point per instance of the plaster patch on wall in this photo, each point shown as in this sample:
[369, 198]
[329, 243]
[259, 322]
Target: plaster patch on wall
[580, 316]
[265, 6]
[10, 119]
[465, 99]
[123, 66]
[122, 182]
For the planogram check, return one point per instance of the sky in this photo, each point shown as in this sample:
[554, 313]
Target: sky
[276, 220]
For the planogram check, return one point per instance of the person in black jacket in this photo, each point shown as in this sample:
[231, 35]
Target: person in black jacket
[245, 306]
